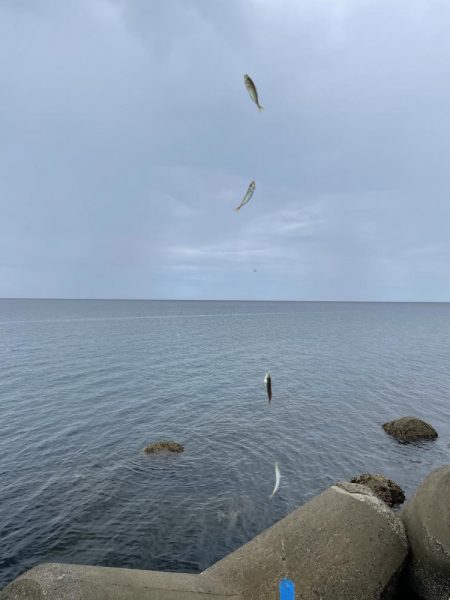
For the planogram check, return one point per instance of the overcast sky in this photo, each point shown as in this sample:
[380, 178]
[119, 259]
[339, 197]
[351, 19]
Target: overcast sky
[127, 138]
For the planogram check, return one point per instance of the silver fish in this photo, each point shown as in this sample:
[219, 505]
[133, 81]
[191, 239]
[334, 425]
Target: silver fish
[248, 195]
[268, 382]
[251, 89]
[277, 480]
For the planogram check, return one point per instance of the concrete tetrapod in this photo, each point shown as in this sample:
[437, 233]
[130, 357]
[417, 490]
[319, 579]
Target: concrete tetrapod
[344, 544]
[78, 582]
[427, 521]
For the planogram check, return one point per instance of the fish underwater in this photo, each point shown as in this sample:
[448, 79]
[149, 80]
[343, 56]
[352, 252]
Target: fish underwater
[251, 89]
[268, 382]
[277, 480]
[248, 195]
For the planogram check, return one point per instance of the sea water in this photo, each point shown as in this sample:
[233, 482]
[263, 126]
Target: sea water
[86, 385]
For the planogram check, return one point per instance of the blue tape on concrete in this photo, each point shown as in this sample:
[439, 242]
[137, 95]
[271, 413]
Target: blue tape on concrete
[287, 589]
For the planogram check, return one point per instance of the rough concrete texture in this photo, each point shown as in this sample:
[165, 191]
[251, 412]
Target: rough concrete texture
[77, 582]
[344, 544]
[410, 429]
[427, 521]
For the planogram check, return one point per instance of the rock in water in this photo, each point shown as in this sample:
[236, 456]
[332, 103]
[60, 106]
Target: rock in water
[427, 520]
[410, 429]
[162, 446]
[385, 489]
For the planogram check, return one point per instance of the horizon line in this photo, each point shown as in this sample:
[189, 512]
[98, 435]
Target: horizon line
[226, 300]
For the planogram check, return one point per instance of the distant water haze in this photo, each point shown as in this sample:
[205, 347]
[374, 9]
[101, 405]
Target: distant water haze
[85, 385]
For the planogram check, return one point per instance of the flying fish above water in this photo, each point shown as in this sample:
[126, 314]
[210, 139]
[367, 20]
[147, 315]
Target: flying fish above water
[268, 383]
[248, 195]
[251, 89]
[277, 480]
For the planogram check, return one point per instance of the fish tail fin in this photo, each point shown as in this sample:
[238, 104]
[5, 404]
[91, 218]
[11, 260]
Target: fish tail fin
[260, 108]
[237, 208]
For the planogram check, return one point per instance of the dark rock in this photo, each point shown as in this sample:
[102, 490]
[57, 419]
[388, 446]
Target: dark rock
[409, 429]
[427, 520]
[162, 446]
[385, 489]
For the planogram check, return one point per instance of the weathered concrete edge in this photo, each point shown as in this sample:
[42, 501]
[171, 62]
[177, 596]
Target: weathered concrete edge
[55, 581]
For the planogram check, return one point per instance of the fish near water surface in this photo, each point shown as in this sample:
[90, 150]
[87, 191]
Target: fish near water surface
[277, 480]
[248, 195]
[252, 92]
[268, 384]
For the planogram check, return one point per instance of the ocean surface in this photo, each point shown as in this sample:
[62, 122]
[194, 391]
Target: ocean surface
[86, 385]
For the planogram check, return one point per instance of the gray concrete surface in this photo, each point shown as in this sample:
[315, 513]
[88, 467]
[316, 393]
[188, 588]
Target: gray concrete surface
[344, 544]
[79, 582]
[427, 521]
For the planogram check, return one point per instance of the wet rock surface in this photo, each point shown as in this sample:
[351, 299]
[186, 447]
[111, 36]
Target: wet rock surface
[163, 446]
[410, 429]
[385, 489]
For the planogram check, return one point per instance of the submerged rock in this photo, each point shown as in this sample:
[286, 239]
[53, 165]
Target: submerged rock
[409, 429]
[385, 489]
[427, 520]
[162, 446]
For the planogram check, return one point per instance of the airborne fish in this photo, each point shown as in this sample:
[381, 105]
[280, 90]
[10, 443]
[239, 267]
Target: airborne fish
[248, 195]
[251, 89]
[277, 480]
[268, 382]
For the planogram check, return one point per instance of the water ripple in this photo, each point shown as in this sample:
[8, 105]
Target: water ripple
[84, 386]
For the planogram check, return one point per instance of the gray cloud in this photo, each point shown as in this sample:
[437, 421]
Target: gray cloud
[128, 138]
